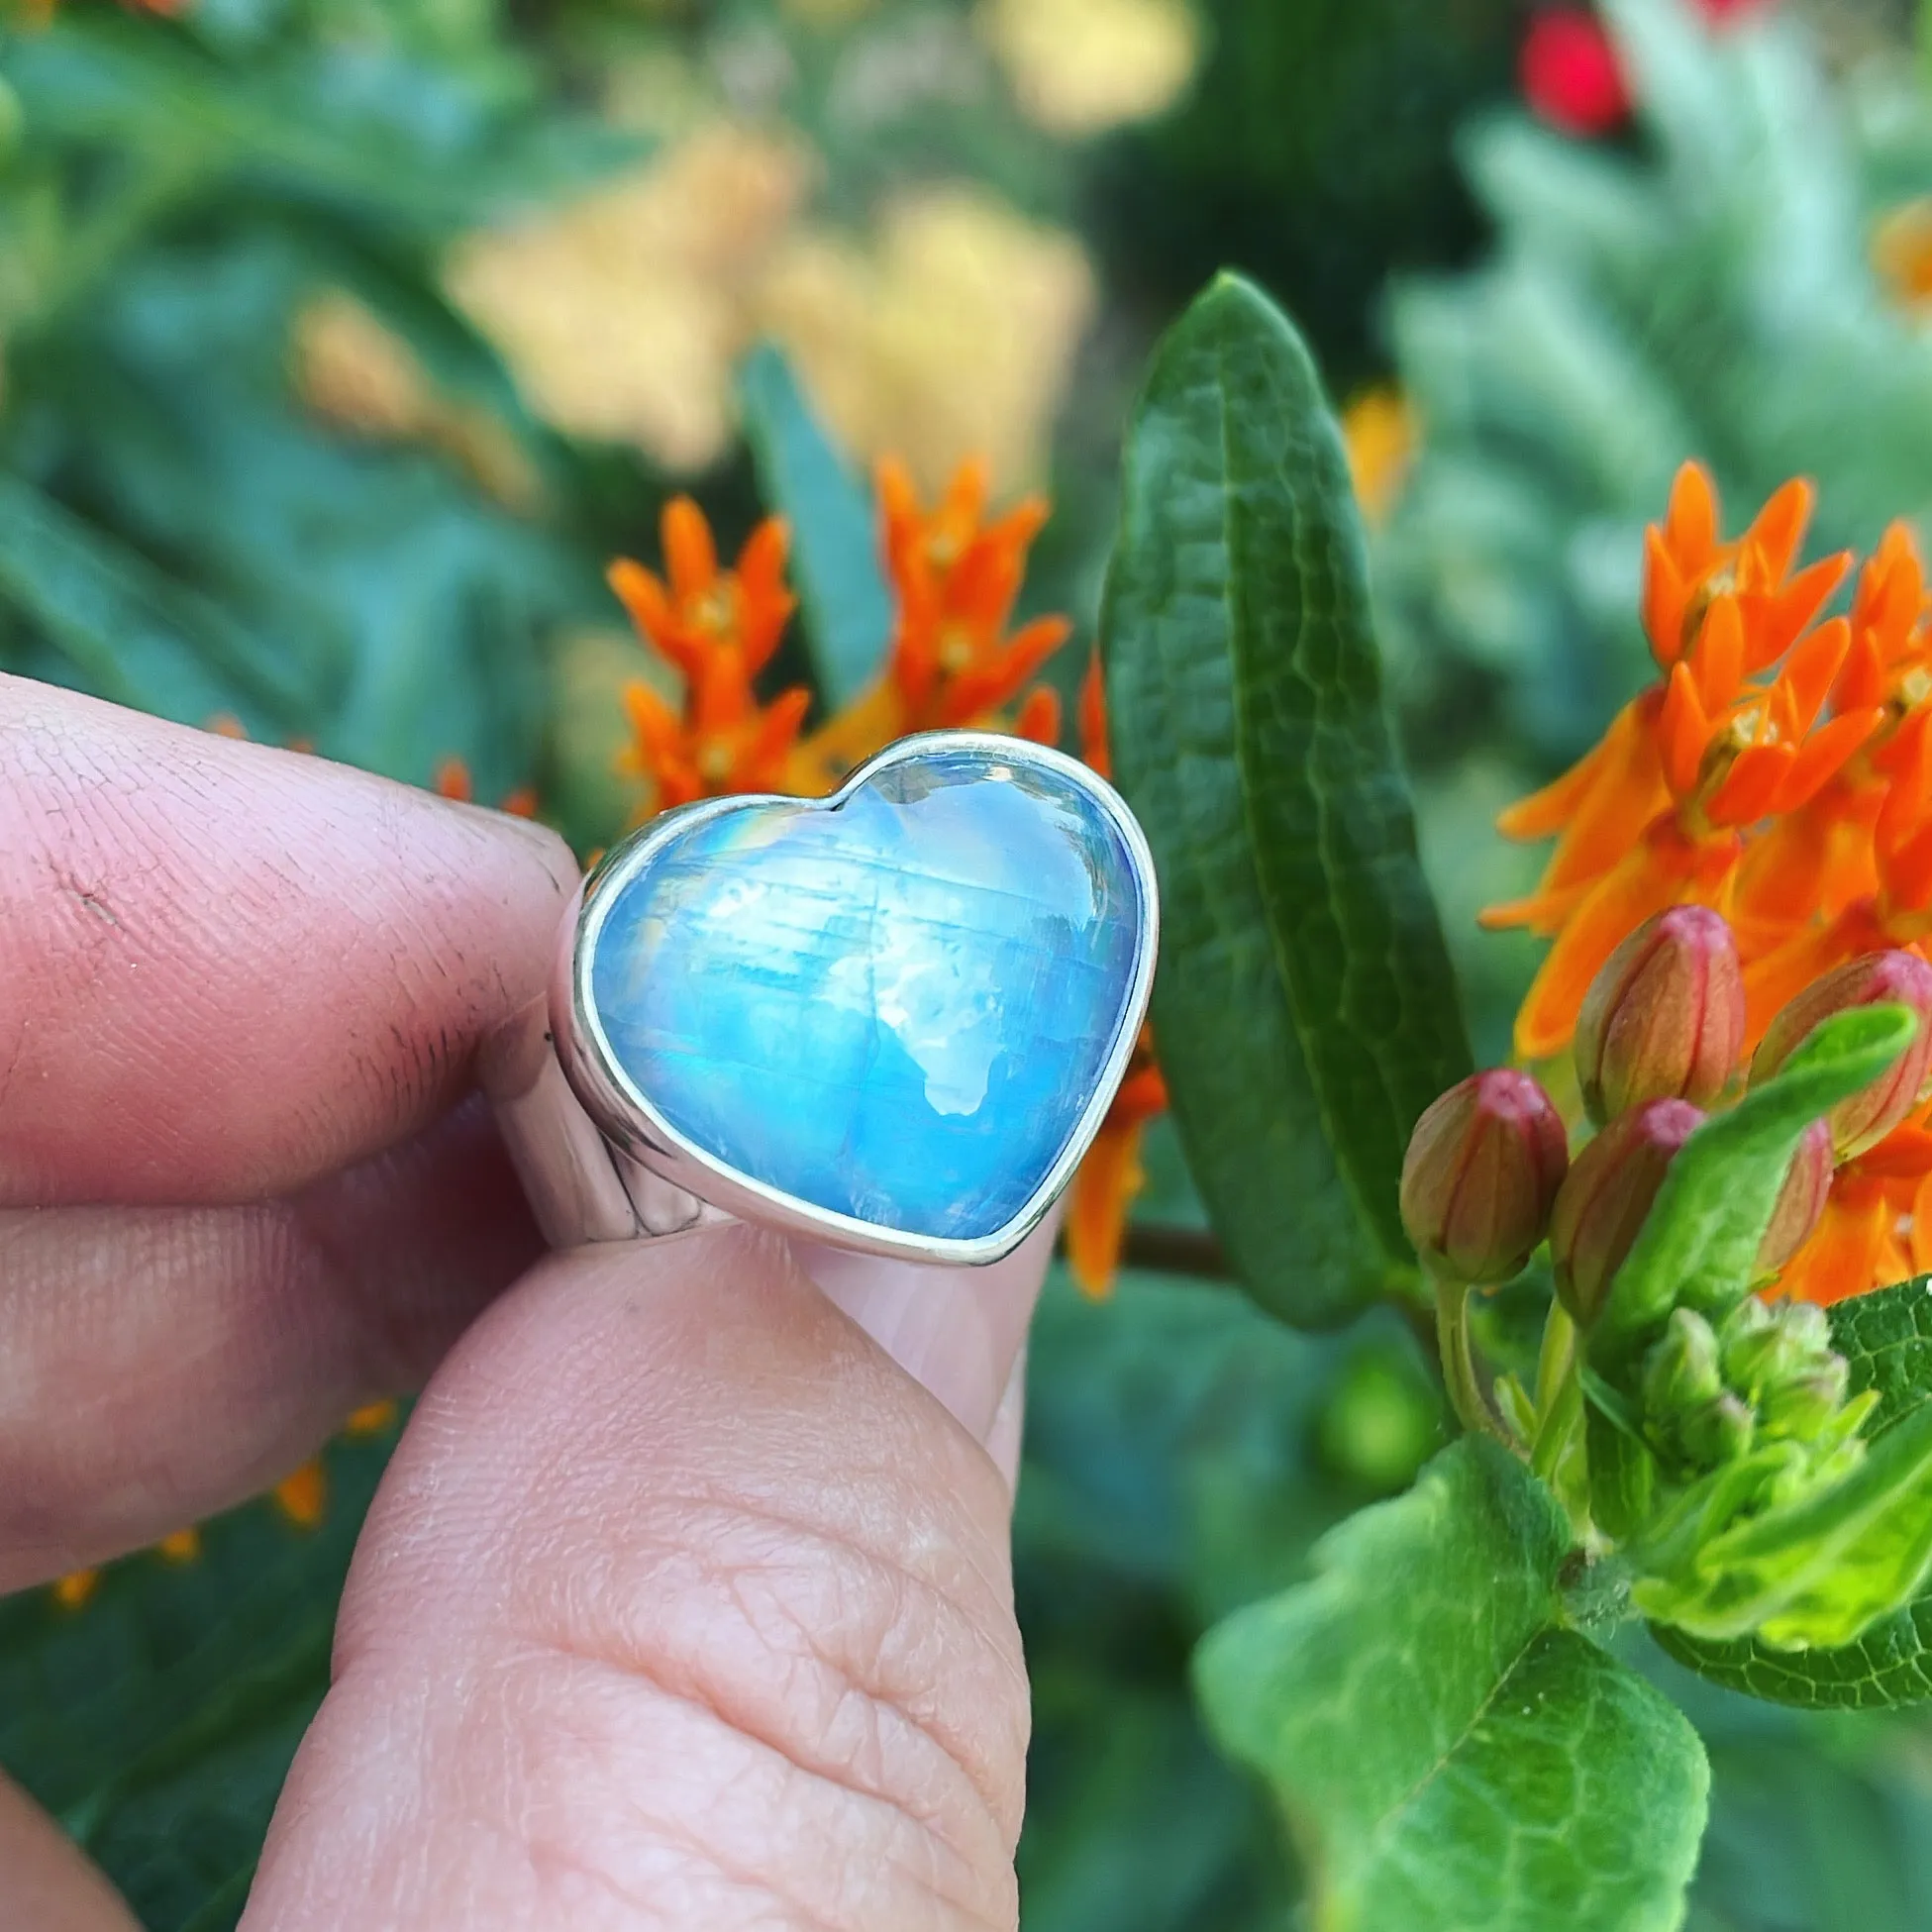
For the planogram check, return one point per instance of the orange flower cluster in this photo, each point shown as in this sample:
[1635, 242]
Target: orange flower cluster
[954, 573]
[954, 578]
[1779, 770]
[717, 629]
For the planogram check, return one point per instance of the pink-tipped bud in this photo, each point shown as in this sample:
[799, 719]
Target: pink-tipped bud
[1482, 1170]
[1894, 979]
[1665, 1018]
[1800, 1205]
[1602, 1204]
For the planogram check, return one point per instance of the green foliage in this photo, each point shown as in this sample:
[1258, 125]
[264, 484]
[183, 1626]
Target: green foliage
[182, 532]
[1182, 1452]
[157, 1720]
[1456, 1757]
[1704, 291]
[835, 561]
[1699, 1243]
[1306, 1004]
[1288, 162]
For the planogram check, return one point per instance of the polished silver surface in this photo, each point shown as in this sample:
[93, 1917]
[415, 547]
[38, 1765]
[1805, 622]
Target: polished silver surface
[618, 1170]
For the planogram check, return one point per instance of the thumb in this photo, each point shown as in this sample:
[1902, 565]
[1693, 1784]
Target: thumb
[682, 1604]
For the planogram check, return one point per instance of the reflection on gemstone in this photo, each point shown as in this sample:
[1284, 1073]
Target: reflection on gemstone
[896, 1010]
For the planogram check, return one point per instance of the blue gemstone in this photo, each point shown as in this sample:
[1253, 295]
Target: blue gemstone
[896, 1008]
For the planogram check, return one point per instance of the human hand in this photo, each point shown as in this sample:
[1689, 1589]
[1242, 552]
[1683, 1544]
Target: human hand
[685, 1601]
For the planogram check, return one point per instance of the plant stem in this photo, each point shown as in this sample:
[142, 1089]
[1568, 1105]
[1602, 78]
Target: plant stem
[1458, 1364]
[1554, 1359]
[1557, 1423]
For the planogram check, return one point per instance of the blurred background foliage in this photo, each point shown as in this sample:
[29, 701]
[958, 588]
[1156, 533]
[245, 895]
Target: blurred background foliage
[344, 342]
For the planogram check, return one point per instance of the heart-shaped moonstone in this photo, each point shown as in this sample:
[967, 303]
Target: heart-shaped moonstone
[896, 1007]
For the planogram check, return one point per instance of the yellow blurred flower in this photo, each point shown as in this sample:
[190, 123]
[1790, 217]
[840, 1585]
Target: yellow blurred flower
[948, 330]
[622, 314]
[952, 333]
[1379, 432]
[828, 13]
[1082, 66]
[1901, 253]
[359, 375]
[350, 368]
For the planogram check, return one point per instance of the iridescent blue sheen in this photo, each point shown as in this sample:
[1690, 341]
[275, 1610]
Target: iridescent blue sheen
[897, 1008]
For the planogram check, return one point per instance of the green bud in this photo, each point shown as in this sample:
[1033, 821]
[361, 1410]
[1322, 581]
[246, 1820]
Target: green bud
[1665, 1018]
[1604, 1201]
[1718, 1433]
[1765, 1347]
[1480, 1174]
[1682, 1370]
[1688, 1413]
[1801, 1406]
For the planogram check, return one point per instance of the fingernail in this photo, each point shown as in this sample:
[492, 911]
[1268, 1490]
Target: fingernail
[957, 1331]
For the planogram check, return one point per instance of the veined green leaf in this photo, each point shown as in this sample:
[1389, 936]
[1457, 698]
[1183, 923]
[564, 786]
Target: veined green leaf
[1453, 1759]
[1305, 1003]
[1886, 1340]
[1699, 1245]
[835, 557]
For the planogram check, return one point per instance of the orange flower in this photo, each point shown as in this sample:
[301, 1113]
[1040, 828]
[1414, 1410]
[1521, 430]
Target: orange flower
[1819, 860]
[1111, 1175]
[453, 780]
[955, 577]
[303, 1494]
[1872, 1231]
[719, 629]
[1658, 814]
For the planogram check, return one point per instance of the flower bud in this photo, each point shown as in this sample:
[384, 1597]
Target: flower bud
[1665, 1018]
[1718, 1433]
[1801, 1202]
[1682, 1370]
[1765, 1347]
[1482, 1170]
[1863, 1120]
[1602, 1203]
[1799, 1408]
[1688, 1413]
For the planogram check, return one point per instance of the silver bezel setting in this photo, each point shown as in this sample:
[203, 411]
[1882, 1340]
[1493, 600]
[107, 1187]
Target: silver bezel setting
[624, 1113]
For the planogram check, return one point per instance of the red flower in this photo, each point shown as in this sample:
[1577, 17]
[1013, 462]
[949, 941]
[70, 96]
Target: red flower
[1570, 75]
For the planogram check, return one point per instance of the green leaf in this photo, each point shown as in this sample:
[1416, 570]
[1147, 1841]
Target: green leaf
[1453, 1758]
[1699, 1245]
[834, 557]
[1305, 1003]
[129, 632]
[156, 1721]
[1886, 1340]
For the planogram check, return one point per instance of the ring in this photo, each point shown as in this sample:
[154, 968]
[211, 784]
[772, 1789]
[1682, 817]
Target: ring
[890, 1021]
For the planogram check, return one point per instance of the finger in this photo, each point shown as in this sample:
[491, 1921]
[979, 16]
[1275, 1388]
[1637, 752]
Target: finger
[46, 1884]
[957, 1331]
[159, 1363]
[226, 971]
[681, 1606]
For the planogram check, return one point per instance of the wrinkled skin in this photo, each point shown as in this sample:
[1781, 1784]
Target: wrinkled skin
[686, 1601]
